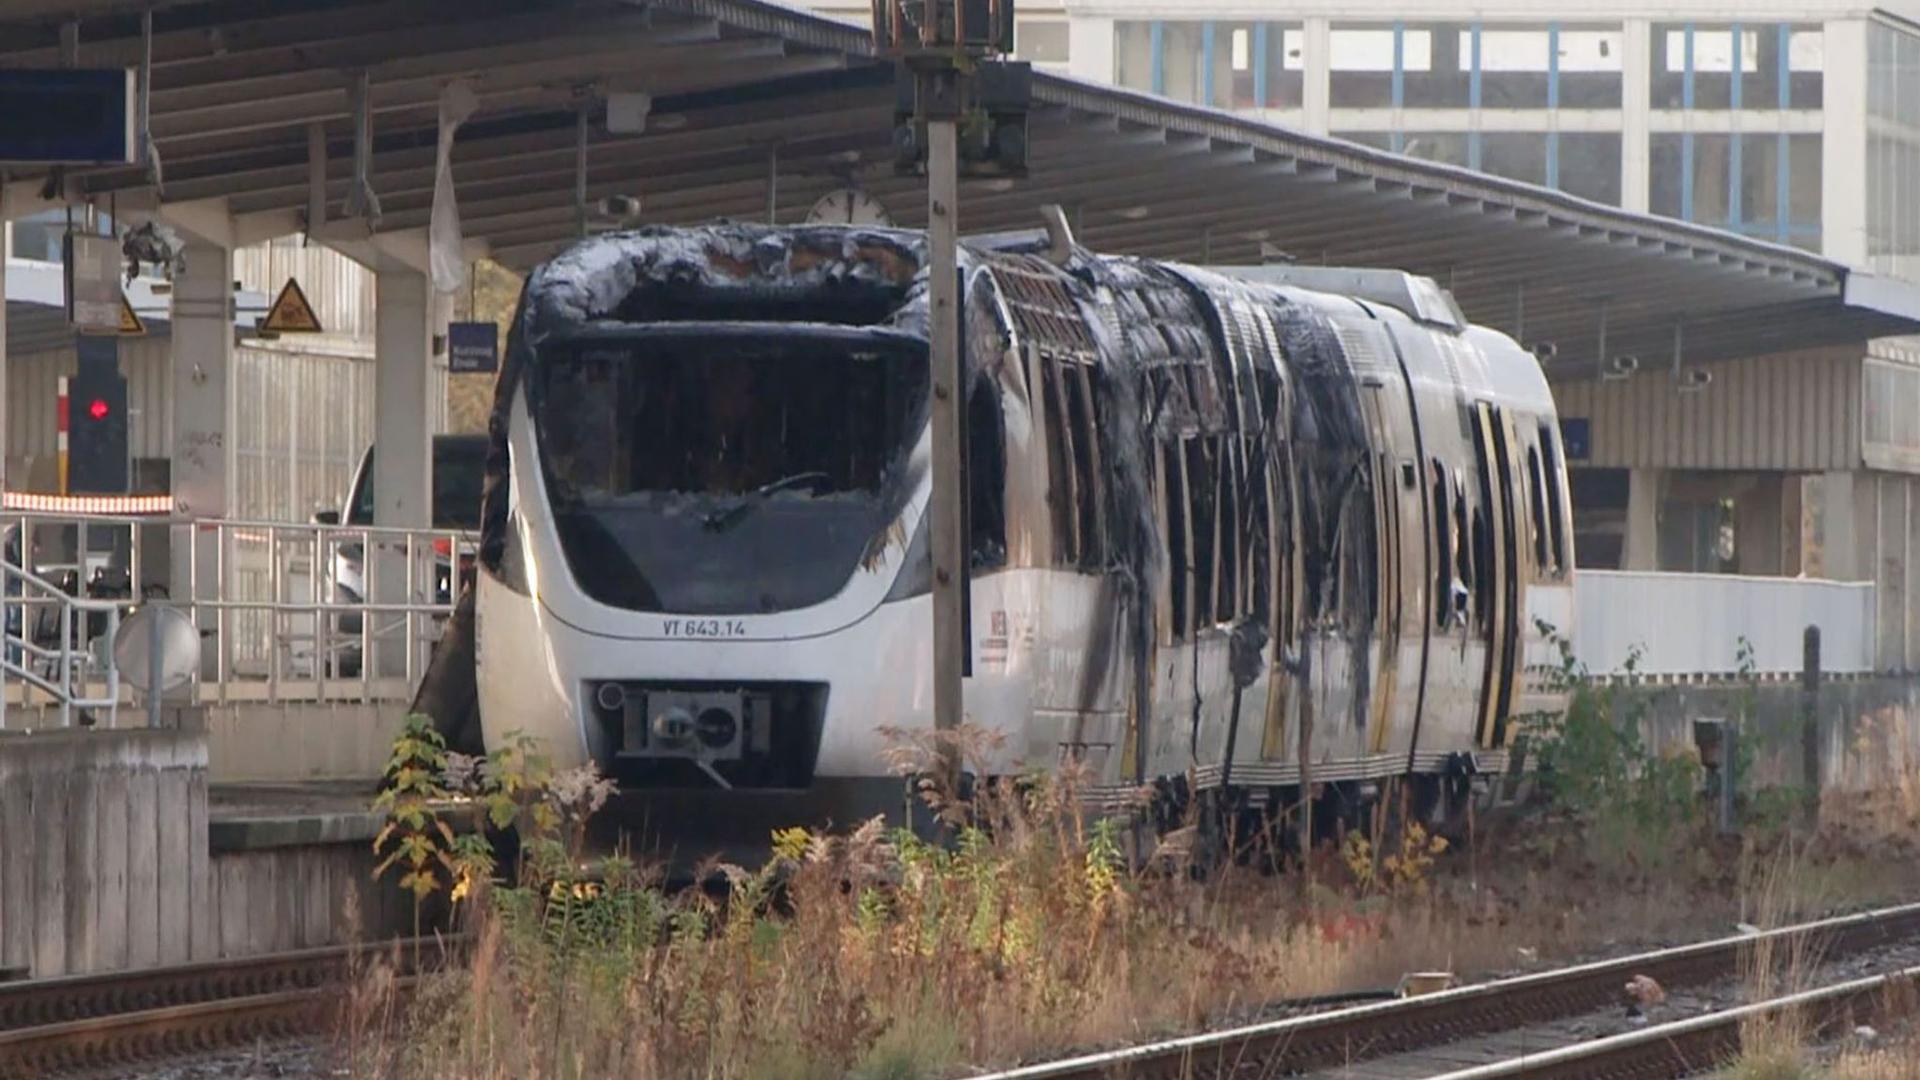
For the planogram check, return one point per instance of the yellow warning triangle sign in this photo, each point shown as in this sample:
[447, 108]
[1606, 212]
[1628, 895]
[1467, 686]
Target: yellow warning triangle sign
[290, 313]
[130, 324]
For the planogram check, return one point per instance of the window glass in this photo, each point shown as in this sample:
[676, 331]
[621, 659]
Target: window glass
[1804, 180]
[1173, 506]
[1089, 477]
[1590, 165]
[1203, 517]
[1182, 59]
[1133, 55]
[459, 475]
[1760, 179]
[1590, 67]
[1804, 60]
[1537, 519]
[1755, 49]
[1716, 51]
[1668, 189]
[986, 477]
[1360, 61]
[1043, 41]
[1293, 50]
[1442, 546]
[1513, 65]
[1517, 155]
[1439, 65]
[1556, 499]
[742, 473]
[1286, 65]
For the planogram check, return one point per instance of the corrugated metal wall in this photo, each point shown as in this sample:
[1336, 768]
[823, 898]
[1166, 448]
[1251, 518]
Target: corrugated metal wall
[1794, 411]
[301, 420]
[301, 423]
[340, 290]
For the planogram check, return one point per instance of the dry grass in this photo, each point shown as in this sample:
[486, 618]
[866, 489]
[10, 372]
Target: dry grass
[1900, 1060]
[1853, 843]
[873, 954]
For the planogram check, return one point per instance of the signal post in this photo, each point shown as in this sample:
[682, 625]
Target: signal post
[951, 83]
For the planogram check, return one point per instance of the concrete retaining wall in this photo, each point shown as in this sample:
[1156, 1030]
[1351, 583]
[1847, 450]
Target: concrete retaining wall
[1868, 735]
[107, 861]
[274, 899]
[251, 742]
[103, 853]
[291, 742]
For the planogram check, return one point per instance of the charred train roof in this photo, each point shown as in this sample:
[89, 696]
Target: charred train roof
[1119, 309]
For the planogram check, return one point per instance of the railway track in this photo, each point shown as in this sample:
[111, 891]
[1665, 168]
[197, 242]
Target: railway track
[91, 1023]
[1341, 1038]
[1698, 1043]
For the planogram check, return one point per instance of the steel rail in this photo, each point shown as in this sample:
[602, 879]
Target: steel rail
[1700, 1043]
[78, 1022]
[1328, 1039]
[123, 1039]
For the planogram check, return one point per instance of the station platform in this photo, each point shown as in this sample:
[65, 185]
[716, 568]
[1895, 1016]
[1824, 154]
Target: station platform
[253, 817]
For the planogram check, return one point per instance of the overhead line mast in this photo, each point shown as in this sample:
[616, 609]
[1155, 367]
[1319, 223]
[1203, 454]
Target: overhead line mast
[953, 83]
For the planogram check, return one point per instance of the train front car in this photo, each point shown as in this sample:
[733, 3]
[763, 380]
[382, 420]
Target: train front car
[1217, 522]
[716, 458]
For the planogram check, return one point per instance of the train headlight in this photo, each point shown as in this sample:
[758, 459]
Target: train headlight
[611, 696]
[674, 726]
[717, 727]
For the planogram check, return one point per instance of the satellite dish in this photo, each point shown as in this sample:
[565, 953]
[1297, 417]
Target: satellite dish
[177, 649]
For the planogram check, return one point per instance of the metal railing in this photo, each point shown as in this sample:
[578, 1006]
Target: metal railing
[286, 612]
[53, 655]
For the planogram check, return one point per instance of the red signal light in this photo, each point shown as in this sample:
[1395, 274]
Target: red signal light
[98, 409]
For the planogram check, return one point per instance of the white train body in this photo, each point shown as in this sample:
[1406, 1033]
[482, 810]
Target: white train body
[1364, 492]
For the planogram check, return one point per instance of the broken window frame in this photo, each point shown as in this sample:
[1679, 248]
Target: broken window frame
[1463, 546]
[1554, 478]
[1536, 515]
[1083, 407]
[1203, 526]
[1063, 491]
[986, 477]
[1441, 509]
[1176, 532]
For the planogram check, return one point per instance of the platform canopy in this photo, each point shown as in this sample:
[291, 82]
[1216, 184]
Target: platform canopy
[757, 110]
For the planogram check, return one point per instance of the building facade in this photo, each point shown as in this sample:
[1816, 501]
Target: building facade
[1776, 120]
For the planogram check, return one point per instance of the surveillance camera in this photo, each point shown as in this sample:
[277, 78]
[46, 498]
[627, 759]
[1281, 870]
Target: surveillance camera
[620, 207]
[1623, 366]
[1695, 379]
[1545, 351]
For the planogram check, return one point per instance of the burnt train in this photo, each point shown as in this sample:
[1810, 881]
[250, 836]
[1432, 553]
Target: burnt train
[1209, 511]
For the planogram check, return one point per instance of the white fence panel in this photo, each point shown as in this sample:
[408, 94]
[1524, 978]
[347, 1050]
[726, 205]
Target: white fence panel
[1691, 624]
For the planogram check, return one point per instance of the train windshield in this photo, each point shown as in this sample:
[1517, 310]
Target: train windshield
[719, 473]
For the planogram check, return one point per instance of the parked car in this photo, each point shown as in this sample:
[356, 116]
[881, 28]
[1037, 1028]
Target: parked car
[459, 473]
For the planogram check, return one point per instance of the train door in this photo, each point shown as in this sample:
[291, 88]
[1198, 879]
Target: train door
[1283, 547]
[1080, 653]
[1497, 554]
[1386, 539]
[1400, 523]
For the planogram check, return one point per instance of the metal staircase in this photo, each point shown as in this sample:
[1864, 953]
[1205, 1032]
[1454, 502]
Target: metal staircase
[45, 648]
